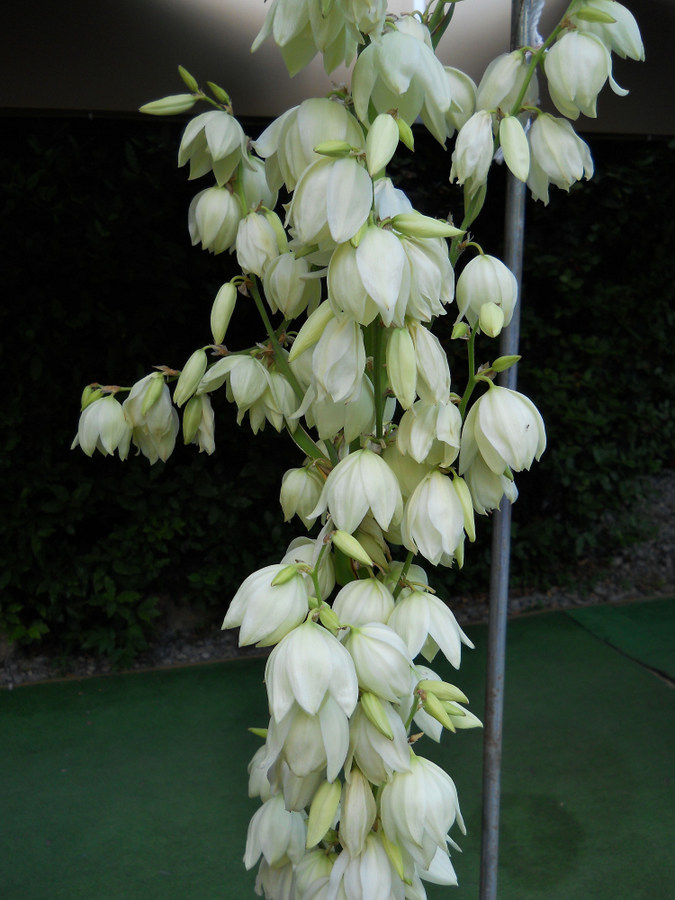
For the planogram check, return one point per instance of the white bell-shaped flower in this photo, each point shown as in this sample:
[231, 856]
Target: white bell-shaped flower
[339, 360]
[621, 36]
[433, 372]
[418, 808]
[358, 811]
[264, 611]
[577, 67]
[433, 520]
[362, 482]
[426, 625]
[154, 428]
[381, 660]
[474, 149]
[502, 82]
[463, 92]
[376, 754]
[399, 70]
[307, 666]
[300, 492]
[432, 281]
[430, 433]
[485, 279]
[506, 428]
[275, 833]
[213, 219]
[368, 875]
[256, 243]
[288, 287]
[103, 427]
[362, 601]
[557, 156]
[213, 141]
[488, 488]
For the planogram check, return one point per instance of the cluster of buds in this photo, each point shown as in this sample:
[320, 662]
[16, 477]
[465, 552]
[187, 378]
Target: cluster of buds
[395, 462]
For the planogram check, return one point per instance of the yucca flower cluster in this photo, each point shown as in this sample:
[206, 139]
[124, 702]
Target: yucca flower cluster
[396, 461]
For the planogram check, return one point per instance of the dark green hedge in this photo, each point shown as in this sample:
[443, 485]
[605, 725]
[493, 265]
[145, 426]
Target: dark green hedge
[101, 283]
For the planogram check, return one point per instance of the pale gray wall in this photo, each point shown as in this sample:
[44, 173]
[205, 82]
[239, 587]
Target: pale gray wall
[114, 55]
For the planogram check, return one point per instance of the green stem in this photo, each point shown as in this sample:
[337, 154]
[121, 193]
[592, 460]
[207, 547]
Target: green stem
[305, 443]
[404, 572]
[279, 356]
[471, 362]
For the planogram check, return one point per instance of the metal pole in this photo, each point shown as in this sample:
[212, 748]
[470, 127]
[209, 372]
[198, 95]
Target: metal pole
[501, 534]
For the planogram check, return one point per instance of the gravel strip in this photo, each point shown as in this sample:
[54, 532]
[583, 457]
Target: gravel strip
[640, 572]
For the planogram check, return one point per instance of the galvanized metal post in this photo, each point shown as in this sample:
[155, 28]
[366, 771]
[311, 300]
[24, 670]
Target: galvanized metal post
[501, 535]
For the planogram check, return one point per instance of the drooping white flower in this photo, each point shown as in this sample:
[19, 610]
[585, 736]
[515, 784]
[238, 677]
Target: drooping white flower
[275, 833]
[557, 156]
[426, 625]
[256, 243]
[433, 519]
[377, 755]
[103, 427]
[305, 667]
[288, 287]
[577, 67]
[381, 660]
[474, 149]
[419, 807]
[463, 93]
[300, 492]
[362, 601]
[485, 279]
[213, 141]
[362, 482]
[264, 611]
[430, 433]
[621, 36]
[399, 70]
[433, 372]
[502, 82]
[506, 428]
[432, 281]
[339, 360]
[199, 424]
[368, 875]
[154, 427]
[488, 488]
[358, 811]
[213, 219]
[287, 145]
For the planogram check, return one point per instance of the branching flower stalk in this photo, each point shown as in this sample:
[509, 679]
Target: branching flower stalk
[395, 463]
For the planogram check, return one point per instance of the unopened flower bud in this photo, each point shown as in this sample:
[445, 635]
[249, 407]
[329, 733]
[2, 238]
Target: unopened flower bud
[312, 330]
[491, 319]
[192, 416]
[381, 142]
[323, 811]
[402, 366]
[415, 224]
[515, 147]
[221, 311]
[351, 547]
[169, 106]
[188, 381]
[374, 710]
[334, 149]
[153, 392]
[89, 394]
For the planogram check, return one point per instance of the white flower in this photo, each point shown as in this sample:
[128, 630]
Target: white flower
[381, 660]
[426, 625]
[213, 141]
[154, 427]
[275, 833]
[362, 601]
[366, 876]
[378, 756]
[433, 520]
[360, 483]
[307, 550]
[502, 82]
[432, 281]
[577, 67]
[355, 417]
[339, 360]
[463, 92]
[288, 143]
[305, 667]
[309, 742]
[254, 184]
[557, 156]
[485, 279]
[300, 492]
[487, 488]
[621, 36]
[213, 219]
[429, 433]
[506, 428]
[199, 424]
[265, 612]
[474, 148]
[287, 287]
[256, 243]
[433, 372]
[103, 427]
[399, 70]
[418, 808]
[357, 813]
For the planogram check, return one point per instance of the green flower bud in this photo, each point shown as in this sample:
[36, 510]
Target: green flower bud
[589, 14]
[312, 330]
[189, 79]
[89, 394]
[502, 363]
[515, 147]
[464, 494]
[491, 319]
[381, 142]
[333, 149]
[351, 547]
[169, 106]
[374, 711]
[394, 853]
[414, 224]
[192, 417]
[322, 811]
[219, 93]
[221, 311]
[460, 330]
[329, 619]
[435, 708]
[259, 732]
[188, 381]
[402, 366]
[442, 689]
[284, 575]
[153, 392]
[405, 134]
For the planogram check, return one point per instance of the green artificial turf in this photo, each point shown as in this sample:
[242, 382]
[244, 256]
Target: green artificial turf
[133, 787]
